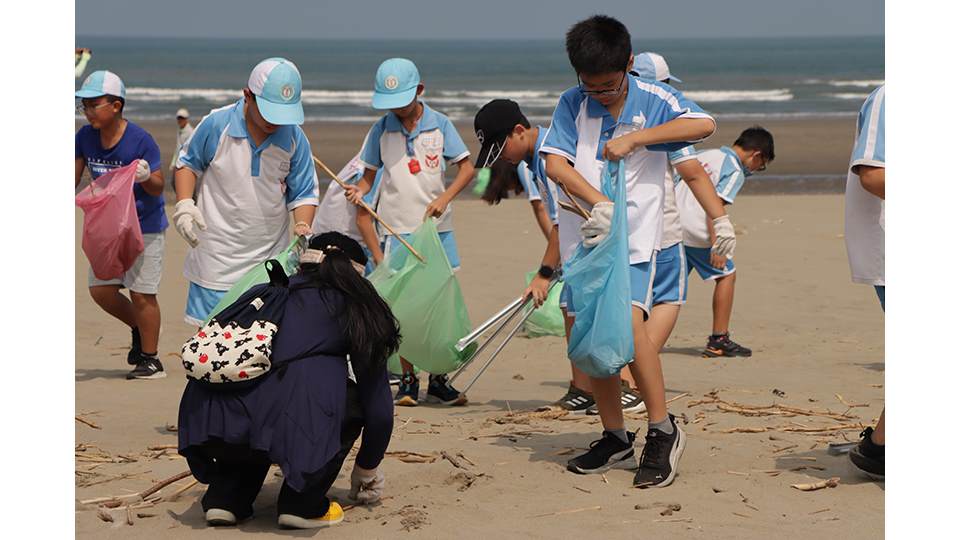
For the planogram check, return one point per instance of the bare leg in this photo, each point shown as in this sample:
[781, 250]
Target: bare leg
[146, 310]
[723, 303]
[580, 379]
[646, 370]
[877, 436]
[108, 297]
[606, 392]
[663, 318]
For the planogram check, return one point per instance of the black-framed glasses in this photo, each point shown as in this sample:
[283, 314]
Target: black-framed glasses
[611, 92]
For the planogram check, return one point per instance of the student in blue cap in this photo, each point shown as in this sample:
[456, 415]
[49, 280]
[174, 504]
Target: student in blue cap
[413, 144]
[257, 167]
[107, 142]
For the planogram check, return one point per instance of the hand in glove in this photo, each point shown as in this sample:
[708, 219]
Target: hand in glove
[595, 229]
[143, 171]
[366, 486]
[726, 239]
[186, 216]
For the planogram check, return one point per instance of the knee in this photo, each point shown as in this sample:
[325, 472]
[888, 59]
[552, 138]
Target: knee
[141, 300]
[101, 295]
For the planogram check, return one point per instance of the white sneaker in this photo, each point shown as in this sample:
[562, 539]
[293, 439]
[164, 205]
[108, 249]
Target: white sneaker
[218, 517]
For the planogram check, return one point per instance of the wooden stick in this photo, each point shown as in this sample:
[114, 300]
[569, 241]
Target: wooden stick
[176, 494]
[85, 421]
[561, 512]
[162, 484]
[579, 209]
[366, 207]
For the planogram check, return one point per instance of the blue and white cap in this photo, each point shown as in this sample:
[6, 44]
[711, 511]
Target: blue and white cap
[652, 67]
[102, 83]
[396, 84]
[276, 83]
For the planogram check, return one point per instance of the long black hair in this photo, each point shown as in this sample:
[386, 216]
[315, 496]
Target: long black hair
[371, 329]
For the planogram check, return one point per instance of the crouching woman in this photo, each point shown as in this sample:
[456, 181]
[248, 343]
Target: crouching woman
[305, 413]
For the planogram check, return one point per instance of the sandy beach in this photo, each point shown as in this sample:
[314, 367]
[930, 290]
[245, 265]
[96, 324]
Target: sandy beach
[818, 346]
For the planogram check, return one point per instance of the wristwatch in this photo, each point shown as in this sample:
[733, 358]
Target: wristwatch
[545, 272]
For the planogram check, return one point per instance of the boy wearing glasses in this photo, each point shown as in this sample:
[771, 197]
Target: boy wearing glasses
[108, 142]
[613, 115]
[728, 168]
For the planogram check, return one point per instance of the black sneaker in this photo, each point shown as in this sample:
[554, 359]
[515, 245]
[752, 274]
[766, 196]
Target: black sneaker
[868, 457]
[441, 391]
[660, 456]
[630, 400]
[721, 345]
[408, 391]
[575, 401]
[394, 379]
[134, 355]
[149, 367]
[605, 453]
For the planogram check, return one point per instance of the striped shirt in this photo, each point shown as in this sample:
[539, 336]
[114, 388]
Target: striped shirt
[863, 211]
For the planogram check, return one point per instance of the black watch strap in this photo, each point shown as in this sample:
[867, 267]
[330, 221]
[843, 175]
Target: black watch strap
[545, 272]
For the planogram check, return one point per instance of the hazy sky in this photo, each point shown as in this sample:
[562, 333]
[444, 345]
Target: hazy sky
[487, 19]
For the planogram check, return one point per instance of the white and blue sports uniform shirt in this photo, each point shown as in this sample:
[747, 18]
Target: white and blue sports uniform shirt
[335, 212]
[727, 173]
[404, 194]
[528, 182]
[245, 193]
[672, 229]
[863, 211]
[582, 126]
[537, 168]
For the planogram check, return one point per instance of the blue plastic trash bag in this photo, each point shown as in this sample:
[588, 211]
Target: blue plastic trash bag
[601, 340]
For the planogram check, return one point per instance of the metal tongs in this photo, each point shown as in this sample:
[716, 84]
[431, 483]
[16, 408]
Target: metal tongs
[504, 316]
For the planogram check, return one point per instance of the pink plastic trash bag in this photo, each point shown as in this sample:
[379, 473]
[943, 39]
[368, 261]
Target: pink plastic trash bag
[112, 240]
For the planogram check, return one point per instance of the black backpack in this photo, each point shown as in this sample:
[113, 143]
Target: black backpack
[233, 349]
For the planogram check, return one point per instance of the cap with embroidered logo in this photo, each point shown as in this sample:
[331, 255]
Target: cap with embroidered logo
[396, 84]
[651, 66]
[277, 85]
[492, 124]
[102, 83]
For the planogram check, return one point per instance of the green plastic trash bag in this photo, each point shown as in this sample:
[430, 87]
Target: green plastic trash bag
[289, 258]
[546, 320]
[425, 297]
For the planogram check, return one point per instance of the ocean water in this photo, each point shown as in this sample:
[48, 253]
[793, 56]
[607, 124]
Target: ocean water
[733, 78]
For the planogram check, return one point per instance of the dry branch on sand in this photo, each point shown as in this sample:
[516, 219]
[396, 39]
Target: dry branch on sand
[830, 483]
[412, 457]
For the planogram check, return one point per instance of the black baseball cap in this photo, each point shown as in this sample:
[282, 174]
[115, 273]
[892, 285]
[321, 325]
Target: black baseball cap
[493, 123]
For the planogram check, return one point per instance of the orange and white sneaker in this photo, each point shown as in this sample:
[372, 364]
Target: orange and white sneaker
[333, 516]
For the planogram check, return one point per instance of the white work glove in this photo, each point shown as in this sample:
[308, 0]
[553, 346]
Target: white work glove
[726, 240]
[143, 171]
[595, 229]
[366, 486]
[186, 216]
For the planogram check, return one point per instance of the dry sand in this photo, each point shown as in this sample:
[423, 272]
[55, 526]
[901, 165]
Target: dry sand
[817, 340]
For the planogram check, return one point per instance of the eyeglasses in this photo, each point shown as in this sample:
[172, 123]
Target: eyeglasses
[83, 109]
[612, 92]
[763, 163]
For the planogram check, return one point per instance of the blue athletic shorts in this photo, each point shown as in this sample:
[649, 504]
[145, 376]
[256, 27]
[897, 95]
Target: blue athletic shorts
[641, 288]
[882, 295]
[699, 259]
[200, 302]
[670, 281]
[446, 238]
